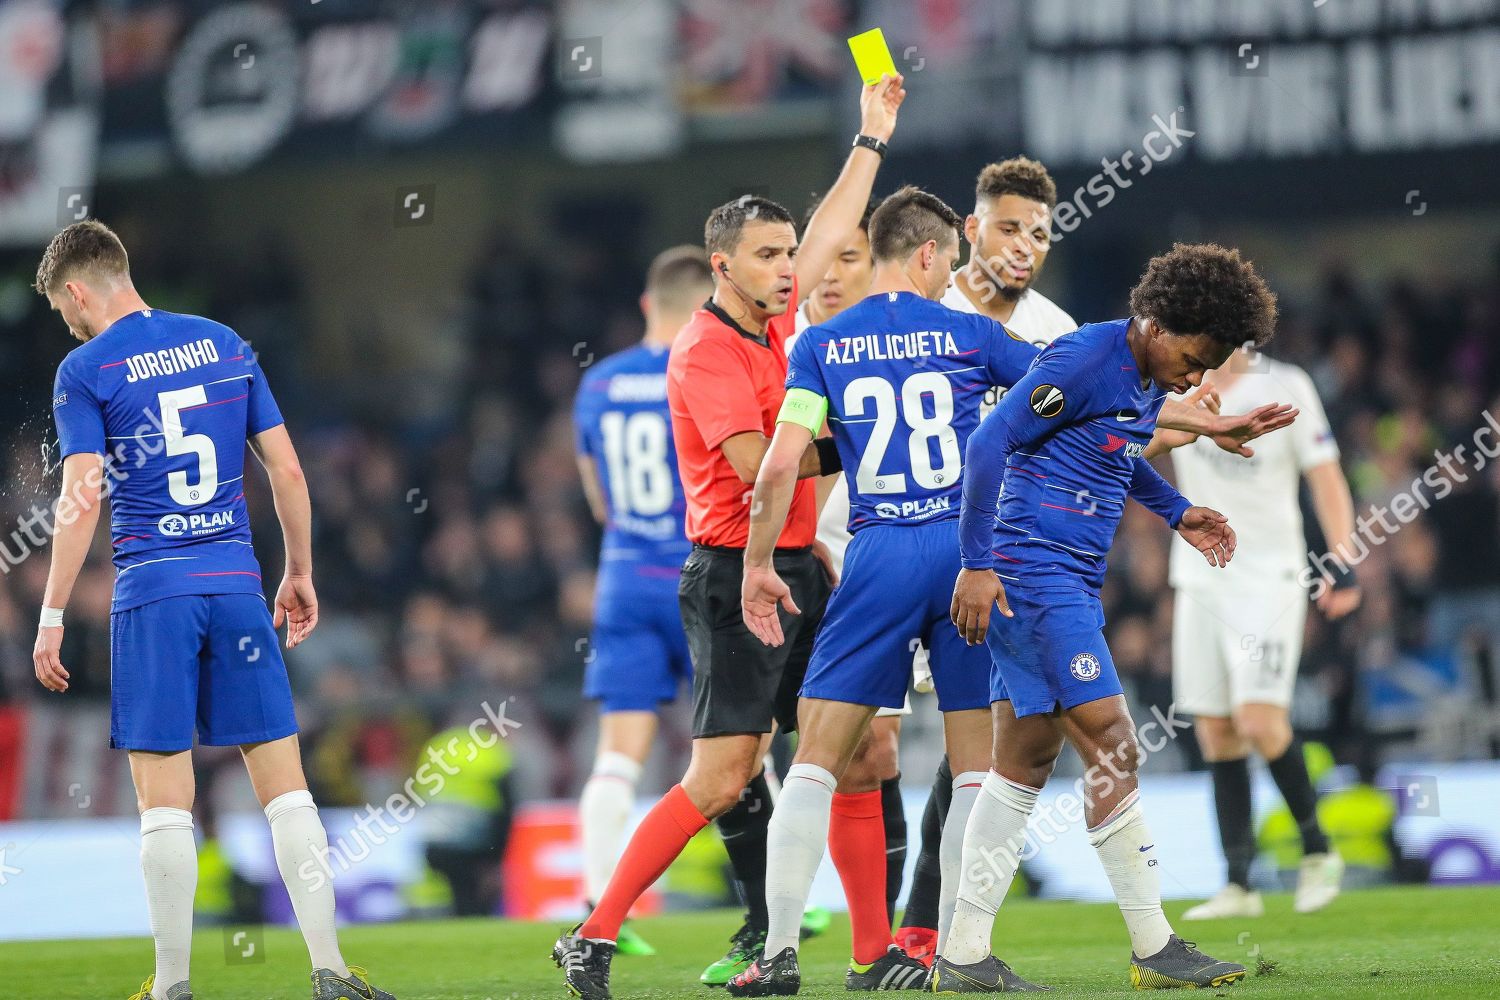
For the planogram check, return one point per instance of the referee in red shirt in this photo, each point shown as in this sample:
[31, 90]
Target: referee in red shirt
[725, 383]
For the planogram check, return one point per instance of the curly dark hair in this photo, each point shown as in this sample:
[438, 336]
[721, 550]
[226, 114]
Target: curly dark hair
[1204, 288]
[1019, 175]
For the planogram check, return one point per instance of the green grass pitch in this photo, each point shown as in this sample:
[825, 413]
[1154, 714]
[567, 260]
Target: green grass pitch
[1407, 942]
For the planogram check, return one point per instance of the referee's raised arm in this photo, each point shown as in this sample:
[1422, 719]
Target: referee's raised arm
[839, 213]
[726, 381]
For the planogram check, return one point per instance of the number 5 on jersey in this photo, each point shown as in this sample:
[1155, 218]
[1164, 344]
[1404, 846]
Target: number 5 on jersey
[183, 493]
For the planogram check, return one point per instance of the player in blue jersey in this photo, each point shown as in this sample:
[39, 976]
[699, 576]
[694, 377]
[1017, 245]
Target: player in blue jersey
[1067, 443]
[154, 411]
[638, 658]
[899, 379]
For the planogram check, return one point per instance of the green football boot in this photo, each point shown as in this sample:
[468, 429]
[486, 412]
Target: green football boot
[744, 947]
[630, 942]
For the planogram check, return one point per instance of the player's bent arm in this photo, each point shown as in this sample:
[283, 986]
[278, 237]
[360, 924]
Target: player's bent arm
[1050, 396]
[296, 602]
[1231, 432]
[1202, 399]
[77, 516]
[1334, 506]
[762, 591]
[1204, 529]
[1165, 440]
[985, 458]
[745, 452]
[289, 490]
[774, 488]
[1180, 415]
[977, 588]
[1149, 489]
[593, 490]
[838, 214]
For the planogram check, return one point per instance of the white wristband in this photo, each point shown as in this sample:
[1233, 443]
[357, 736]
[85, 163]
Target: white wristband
[52, 618]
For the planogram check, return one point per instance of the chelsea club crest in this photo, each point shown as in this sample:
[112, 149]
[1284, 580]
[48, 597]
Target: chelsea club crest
[1085, 666]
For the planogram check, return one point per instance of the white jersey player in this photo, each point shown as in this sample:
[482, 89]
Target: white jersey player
[1035, 318]
[1237, 632]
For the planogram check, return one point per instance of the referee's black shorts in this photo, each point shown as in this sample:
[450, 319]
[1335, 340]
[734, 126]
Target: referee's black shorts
[740, 685]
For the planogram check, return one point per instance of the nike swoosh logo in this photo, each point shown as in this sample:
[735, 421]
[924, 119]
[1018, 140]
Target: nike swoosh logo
[1147, 848]
[1126, 416]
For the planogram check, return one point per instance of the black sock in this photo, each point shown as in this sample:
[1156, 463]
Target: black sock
[927, 880]
[1289, 771]
[1232, 803]
[894, 812]
[744, 831]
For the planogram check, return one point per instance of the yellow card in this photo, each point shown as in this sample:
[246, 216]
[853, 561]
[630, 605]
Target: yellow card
[872, 55]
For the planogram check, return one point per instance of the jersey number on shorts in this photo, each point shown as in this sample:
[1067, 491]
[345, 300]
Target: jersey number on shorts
[184, 493]
[924, 430]
[635, 449]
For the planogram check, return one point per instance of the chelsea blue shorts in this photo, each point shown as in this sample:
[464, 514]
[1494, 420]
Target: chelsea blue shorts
[638, 656]
[1052, 653]
[207, 662]
[895, 593]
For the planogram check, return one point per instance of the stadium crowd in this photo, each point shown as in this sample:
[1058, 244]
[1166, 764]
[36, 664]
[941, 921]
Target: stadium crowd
[455, 553]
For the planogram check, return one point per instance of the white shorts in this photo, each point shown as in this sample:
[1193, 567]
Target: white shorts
[1239, 645]
[886, 713]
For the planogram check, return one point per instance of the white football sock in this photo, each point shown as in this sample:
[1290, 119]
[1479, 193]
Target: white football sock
[795, 843]
[301, 846]
[991, 858]
[966, 788]
[1128, 854]
[603, 809]
[169, 862]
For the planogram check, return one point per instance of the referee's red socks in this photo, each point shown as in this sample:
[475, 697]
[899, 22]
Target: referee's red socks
[662, 835]
[856, 841]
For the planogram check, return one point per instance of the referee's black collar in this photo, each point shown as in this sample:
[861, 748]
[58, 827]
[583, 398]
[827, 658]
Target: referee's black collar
[763, 340]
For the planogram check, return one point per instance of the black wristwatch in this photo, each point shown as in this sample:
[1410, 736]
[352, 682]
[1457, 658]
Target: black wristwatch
[870, 142]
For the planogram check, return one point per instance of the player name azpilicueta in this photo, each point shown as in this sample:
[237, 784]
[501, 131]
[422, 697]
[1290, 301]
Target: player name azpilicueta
[889, 347]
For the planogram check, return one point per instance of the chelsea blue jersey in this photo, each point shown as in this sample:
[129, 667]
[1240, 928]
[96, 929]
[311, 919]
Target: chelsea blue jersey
[903, 378]
[169, 401]
[621, 421]
[1068, 443]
